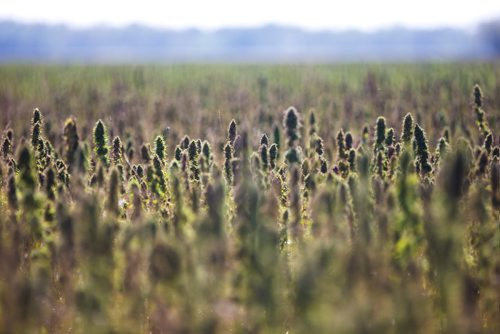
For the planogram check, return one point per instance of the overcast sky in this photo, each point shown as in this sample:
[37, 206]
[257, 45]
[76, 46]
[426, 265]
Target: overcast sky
[213, 14]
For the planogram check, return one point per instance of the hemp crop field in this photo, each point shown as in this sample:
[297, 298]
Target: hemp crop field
[250, 199]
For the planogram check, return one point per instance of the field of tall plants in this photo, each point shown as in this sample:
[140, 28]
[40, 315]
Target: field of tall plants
[250, 199]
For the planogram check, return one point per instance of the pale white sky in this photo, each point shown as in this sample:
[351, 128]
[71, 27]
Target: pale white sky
[212, 14]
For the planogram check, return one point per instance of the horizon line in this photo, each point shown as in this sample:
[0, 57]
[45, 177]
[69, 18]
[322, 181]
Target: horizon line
[106, 25]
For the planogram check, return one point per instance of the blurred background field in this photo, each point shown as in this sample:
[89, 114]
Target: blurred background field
[200, 100]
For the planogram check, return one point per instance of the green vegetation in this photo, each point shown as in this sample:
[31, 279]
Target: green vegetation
[371, 205]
